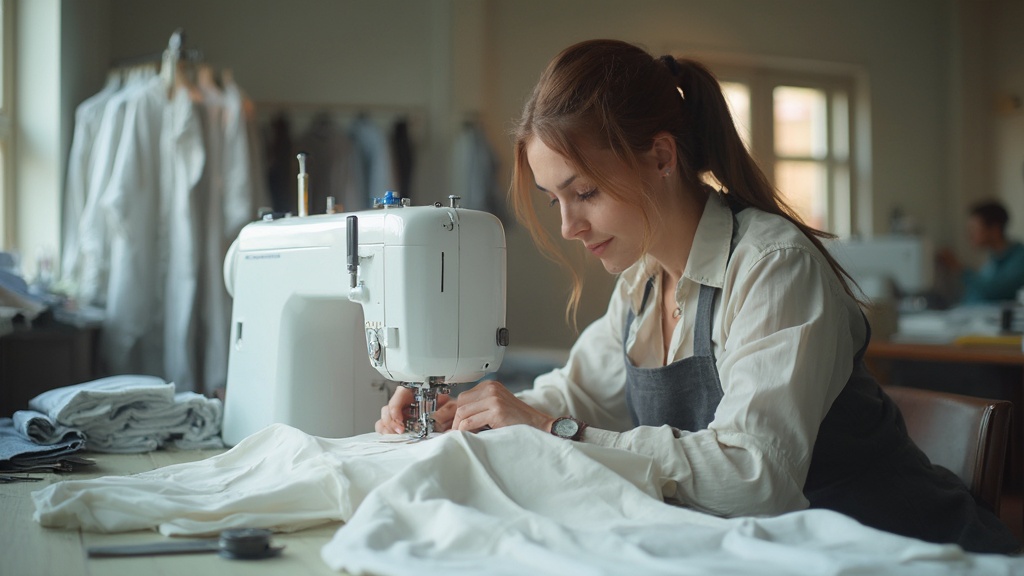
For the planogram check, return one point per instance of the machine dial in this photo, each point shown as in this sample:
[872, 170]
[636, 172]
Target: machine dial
[373, 348]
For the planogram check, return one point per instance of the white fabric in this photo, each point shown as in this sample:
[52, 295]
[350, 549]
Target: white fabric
[133, 413]
[183, 192]
[133, 330]
[90, 270]
[784, 337]
[88, 118]
[214, 304]
[244, 189]
[149, 243]
[507, 501]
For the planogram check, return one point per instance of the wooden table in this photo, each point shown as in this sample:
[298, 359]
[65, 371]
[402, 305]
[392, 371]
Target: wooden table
[1001, 355]
[28, 549]
[986, 371]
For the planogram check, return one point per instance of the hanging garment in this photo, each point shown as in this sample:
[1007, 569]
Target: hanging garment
[183, 224]
[280, 164]
[245, 189]
[475, 173]
[335, 166]
[90, 269]
[212, 302]
[404, 156]
[170, 184]
[133, 330]
[375, 158]
[88, 117]
[232, 202]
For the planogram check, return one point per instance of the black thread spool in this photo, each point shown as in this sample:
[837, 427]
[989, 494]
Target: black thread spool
[247, 544]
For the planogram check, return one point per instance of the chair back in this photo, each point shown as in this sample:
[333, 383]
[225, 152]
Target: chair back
[965, 434]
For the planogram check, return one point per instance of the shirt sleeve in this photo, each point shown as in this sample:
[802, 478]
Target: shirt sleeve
[784, 352]
[591, 386]
[997, 279]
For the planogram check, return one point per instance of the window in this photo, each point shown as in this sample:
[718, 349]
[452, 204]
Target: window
[797, 126]
[6, 125]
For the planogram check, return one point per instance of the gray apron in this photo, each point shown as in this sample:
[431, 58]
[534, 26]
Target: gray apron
[863, 464]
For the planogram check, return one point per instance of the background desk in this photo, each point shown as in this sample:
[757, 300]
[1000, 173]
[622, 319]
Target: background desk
[47, 356]
[28, 549]
[985, 371]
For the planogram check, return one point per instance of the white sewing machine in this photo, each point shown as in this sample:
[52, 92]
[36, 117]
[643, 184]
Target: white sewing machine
[316, 331]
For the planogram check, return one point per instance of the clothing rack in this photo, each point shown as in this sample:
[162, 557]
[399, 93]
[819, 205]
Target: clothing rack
[300, 113]
[168, 59]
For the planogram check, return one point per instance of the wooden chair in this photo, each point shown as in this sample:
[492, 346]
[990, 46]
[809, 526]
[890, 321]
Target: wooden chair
[965, 434]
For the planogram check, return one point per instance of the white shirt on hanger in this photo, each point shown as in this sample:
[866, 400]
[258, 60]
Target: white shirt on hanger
[88, 118]
[132, 339]
[183, 194]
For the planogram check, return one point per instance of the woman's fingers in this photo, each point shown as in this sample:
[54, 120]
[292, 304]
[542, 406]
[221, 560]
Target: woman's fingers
[490, 404]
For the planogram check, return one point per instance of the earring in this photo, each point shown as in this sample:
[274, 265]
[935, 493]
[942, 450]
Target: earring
[668, 172]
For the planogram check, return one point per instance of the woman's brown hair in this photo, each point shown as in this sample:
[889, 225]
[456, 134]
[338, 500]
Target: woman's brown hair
[615, 96]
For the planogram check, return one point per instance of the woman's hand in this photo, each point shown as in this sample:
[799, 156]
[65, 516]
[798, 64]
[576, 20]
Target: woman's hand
[399, 408]
[490, 404]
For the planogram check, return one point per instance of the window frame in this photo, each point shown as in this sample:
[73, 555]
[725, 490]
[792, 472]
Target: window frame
[761, 80]
[8, 205]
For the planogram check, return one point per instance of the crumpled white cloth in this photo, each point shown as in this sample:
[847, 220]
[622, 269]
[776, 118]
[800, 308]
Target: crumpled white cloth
[507, 501]
[131, 413]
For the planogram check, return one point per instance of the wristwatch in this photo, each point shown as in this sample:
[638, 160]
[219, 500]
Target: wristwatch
[568, 427]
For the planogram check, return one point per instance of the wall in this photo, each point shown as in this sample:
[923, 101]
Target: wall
[1007, 109]
[902, 46]
[388, 54]
[930, 126]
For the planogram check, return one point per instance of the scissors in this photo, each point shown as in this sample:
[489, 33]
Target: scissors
[8, 479]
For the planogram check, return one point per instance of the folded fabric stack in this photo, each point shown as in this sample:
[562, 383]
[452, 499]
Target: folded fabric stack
[23, 454]
[123, 414]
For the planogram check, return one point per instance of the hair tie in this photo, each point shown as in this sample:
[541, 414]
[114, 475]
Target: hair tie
[674, 67]
[672, 63]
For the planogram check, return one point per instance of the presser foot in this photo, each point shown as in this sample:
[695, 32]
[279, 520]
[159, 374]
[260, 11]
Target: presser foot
[420, 424]
[419, 429]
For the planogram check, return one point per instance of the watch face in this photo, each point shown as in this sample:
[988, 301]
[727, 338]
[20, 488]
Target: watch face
[565, 428]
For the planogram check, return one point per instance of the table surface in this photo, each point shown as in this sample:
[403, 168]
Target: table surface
[980, 354]
[28, 549]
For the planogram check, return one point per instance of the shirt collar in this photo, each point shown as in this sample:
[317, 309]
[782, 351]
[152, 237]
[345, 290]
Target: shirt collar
[708, 257]
[711, 244]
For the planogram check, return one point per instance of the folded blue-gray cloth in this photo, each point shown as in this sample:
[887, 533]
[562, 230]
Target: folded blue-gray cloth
[39, 428]
[18, 452]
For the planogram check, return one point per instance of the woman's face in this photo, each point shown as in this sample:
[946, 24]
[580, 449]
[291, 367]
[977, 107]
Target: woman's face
[610, 229]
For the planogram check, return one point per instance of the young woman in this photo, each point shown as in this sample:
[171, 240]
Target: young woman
[731, 351]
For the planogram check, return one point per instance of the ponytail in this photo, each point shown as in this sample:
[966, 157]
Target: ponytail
[618, 96]
[713, 146]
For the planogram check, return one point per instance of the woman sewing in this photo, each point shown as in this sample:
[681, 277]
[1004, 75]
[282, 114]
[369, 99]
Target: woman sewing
[731, 350]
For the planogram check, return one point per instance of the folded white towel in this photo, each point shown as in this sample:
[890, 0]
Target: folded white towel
[133, 413]
[106, 398]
